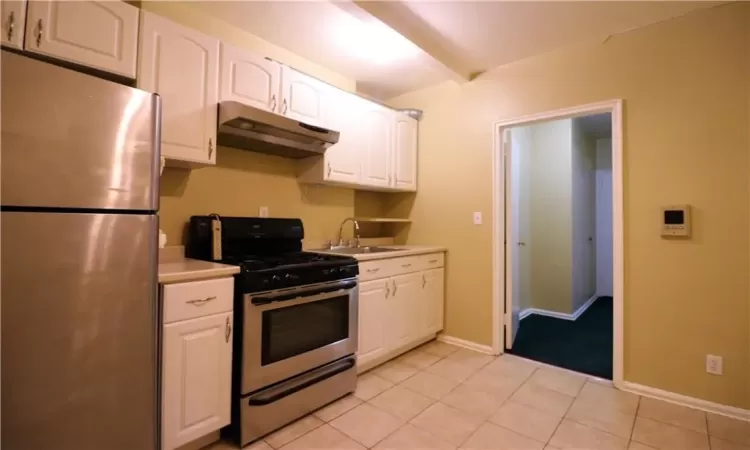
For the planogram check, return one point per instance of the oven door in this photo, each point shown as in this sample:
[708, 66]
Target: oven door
[291, 331]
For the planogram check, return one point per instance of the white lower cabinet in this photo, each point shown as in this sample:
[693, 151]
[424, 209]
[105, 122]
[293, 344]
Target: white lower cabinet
[196, 360]
[400, 306]
[372, 320]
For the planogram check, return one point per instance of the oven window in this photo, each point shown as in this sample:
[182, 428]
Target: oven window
[298, 329]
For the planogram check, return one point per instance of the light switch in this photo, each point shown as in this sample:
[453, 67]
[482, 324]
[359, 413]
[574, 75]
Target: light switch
[477, 218]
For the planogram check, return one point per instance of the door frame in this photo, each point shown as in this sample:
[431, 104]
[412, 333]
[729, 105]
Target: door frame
[499, 301]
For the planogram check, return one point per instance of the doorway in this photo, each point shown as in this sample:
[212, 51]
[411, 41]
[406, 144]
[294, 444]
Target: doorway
[557, 249]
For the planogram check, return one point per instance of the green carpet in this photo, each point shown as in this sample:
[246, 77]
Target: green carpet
[583, 345]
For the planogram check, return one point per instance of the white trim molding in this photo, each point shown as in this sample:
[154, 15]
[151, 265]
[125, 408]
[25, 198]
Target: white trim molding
[684, 400]
[558, 315]
[465, 344]
[499, 319]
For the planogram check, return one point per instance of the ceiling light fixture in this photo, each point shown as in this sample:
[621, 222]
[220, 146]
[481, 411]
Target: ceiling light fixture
[374, 42]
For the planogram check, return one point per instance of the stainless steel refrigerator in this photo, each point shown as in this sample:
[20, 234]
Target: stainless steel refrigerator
[79, 187]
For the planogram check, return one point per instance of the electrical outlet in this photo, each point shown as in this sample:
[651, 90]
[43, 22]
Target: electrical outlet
[263, 211]
[714, 365]
[477, 218]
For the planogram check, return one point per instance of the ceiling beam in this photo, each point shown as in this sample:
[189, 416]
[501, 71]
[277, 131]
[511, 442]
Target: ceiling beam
[401, 19]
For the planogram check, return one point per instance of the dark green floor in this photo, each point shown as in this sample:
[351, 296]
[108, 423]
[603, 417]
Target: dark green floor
[583, 345]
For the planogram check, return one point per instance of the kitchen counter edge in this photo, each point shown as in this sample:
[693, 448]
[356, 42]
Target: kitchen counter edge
[403, 250]
[193, 270]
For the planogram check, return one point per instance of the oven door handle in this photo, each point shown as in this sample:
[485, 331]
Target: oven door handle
[303, 293]
[283, 390]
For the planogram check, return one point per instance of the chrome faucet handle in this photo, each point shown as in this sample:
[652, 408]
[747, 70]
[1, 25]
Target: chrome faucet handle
[354, 243]
[329, 244]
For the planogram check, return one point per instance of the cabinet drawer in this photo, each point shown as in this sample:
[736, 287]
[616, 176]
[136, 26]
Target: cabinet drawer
[405, 265]
[431, 261]
[184, 301]
[372, 270]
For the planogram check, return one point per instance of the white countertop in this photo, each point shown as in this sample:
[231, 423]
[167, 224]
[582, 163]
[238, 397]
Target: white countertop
[192, 269]
[403, 250]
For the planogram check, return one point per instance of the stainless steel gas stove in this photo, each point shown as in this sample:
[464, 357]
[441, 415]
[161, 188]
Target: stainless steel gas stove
[296, 312]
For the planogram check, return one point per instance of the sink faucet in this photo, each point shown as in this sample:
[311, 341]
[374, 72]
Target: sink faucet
[341, 231]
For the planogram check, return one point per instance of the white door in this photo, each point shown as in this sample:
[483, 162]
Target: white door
[249, 78]
[102, 35]
[373, 322]
[376, 131]
[13, 22]
[302, 97]
[405, 152]
[513, 243]
[342, 162]
[182, 66]
[404, 309]
[196, 378]
[433, 289]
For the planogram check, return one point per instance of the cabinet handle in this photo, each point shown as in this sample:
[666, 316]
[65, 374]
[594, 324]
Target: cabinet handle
[406, 265]
[424, 281]
[387, 290]
[432, 261]
[210, 148]
[227, 330]
[373, 270]
[329, 169]
[39, 32]
[283, 105]
[395, 288]
[201, 301]
[11, 25]
[273, 103]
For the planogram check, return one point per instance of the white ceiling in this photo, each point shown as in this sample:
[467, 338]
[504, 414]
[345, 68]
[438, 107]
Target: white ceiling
[459, 37]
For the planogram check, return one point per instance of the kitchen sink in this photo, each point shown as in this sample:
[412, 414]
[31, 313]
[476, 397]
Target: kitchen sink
[360, 250]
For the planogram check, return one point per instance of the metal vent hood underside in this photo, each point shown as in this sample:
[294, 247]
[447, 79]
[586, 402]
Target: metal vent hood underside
[249, 128]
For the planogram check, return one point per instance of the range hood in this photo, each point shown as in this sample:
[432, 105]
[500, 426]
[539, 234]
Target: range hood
[249, 128]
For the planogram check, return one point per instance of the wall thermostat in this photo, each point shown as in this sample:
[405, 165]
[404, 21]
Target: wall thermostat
[675, 220]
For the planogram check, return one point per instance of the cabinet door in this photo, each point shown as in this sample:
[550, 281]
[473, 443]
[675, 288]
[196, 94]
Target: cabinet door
[249, 78]
[433, 299]
[13, 22]
[102, 35]
[404, 308]
[196, 378]
[182, 66]
[373, 323]
[302, 97]
[342, 160]
[376, 131]
[405, 153]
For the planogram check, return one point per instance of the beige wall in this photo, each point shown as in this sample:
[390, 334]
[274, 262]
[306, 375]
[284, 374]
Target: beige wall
[551, 224]
[583, 203]
[686, 92]
[243, 181]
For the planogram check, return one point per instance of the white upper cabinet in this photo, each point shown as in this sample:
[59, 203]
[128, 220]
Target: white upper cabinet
[303, 97]
[342, 162]
[376, 144]
[405, 152]
[102, 35]
[13, 22]
[182, 66]
[249, 78]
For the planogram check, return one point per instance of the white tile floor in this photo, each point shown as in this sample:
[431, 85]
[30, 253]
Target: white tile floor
[441, 397]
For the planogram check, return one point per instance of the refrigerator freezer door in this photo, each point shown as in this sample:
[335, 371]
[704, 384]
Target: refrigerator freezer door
[76, 141]
[79, 339]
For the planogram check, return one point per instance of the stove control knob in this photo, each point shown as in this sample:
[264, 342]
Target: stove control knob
[275, 279]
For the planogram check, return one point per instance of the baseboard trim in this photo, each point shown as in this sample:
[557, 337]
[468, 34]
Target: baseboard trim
[684, 400]
[558, 315]
[465, 344]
